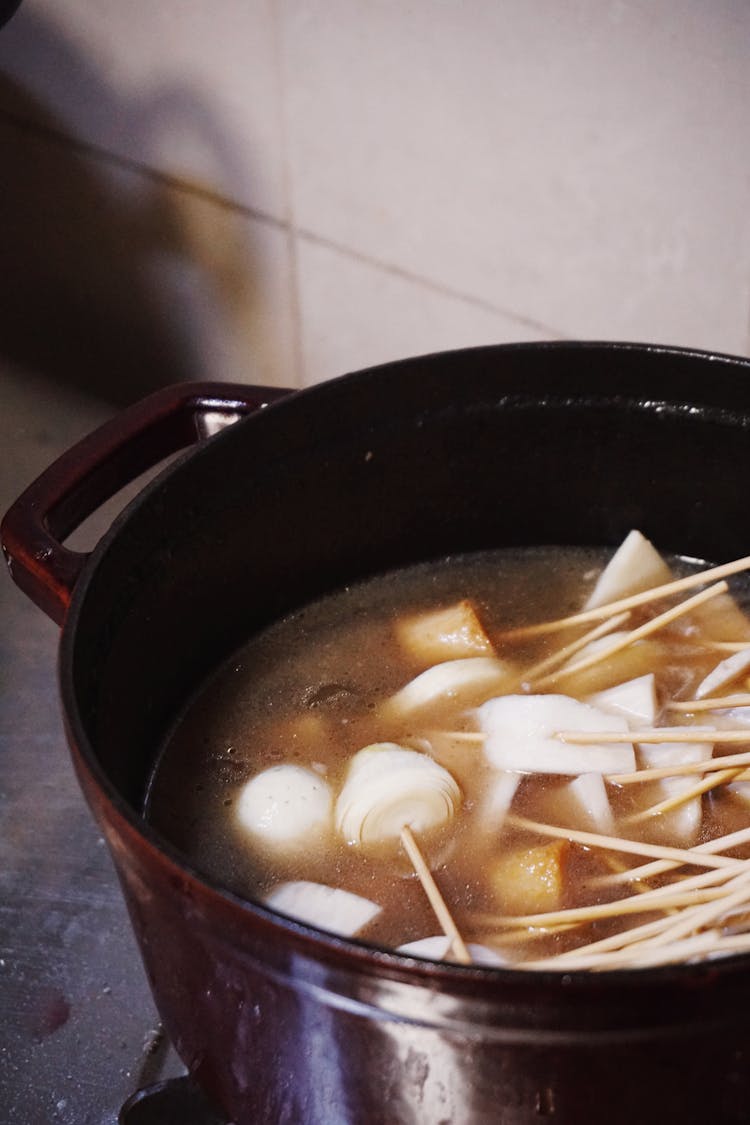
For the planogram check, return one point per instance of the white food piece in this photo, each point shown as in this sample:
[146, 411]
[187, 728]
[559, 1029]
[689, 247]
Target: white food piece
[741, 789]
[635, 566]
[461, 682]
[454, 632]
[436, 949]
[586, 801]
[732, 717]
[286, 806]
[684, 822]
[521, 730]
[388, 787]
[724, 673]
[635, 700]
[328, 908]
[498, 798]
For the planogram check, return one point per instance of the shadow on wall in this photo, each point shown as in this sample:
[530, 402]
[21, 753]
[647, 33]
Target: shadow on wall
[111, 279]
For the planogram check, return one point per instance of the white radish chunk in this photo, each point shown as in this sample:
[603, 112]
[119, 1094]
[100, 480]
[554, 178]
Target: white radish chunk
[682, 823]
[740, 789]
[585, 803]
[286, 806]
[498, 798]
[732, 718]
[635, 566]
[328, 908]
[520, 736]
[462, 682]
[388, 787]
[658, 755]
[724, 673]
[451, 633]
[436, 949]
[635, 700]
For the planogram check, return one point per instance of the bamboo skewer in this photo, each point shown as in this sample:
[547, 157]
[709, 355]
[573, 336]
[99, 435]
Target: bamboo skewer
[460, 735]
[563, 654]
[617, 941]
[687, 892]
[619, 844]
[656, 773]
[700, 578]
[653, 736]
[707, 943]
[656, 934]
[720, 777]
[659, 867]
[437, 902]
[717, 703]
[622, 906]
[638, 634]
[697, 917]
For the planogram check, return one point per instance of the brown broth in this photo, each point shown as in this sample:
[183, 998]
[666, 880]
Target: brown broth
[307, 691]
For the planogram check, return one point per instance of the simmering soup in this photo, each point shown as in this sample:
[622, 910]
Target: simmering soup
[534, 758]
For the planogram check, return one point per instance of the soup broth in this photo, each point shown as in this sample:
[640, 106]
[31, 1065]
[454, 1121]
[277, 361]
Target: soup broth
[433, 668]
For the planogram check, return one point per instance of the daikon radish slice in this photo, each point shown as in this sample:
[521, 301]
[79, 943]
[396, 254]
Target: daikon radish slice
[658, 755]
[724, 673]
[585, 804]
[635, 700]
[451, 633]
[683, 823]
[532, 880]
[436, 949]
[462, 682]
[285, 806]
[388, 787]
[328, 908]
[732, 718]
[635, 566]
[520, 736]
[740, 789]
[498, 798]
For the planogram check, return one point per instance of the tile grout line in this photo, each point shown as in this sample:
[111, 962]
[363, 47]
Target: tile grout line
[296, 234]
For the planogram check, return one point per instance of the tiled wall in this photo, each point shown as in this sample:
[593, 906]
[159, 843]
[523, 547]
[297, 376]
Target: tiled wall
[282, 190]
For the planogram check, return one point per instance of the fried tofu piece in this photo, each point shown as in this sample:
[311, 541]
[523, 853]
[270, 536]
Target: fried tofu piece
[532, 880]
[443, 634]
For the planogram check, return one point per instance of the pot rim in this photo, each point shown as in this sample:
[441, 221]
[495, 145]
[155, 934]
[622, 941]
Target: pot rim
[358, 953]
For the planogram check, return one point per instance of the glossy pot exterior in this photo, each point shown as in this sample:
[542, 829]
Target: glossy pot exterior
[517, 445]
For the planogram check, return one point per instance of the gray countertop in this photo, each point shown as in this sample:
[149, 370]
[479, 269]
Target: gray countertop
[79, 1032]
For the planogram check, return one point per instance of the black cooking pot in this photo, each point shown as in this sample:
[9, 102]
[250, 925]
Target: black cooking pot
[528, 444]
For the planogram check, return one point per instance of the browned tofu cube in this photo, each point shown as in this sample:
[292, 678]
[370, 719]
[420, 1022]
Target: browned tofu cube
[443, 634]
[532, 880]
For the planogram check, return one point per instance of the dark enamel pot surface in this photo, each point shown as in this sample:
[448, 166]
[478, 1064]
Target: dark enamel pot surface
[560, 443]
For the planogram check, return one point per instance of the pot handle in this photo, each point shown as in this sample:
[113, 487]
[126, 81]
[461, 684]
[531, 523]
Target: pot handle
[73, 487]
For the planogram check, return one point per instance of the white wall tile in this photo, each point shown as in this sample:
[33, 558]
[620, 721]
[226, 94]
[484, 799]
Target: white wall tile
[355, 314]
[185, 86]
[582, 163]
[119, 283]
